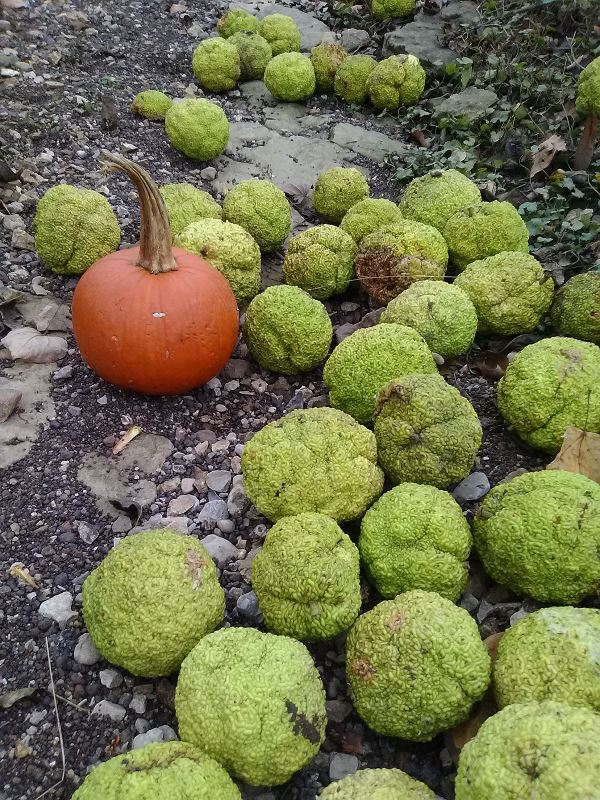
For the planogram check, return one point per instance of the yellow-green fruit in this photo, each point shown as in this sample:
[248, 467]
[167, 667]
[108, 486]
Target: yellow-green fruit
[315, 459]
[74, 228]
[576, 308]
[367, 360]
[539, 534]
[433, 198]
[392, 9]
[442, 313]
[198, 128]
[281, 32]
[290, 77]
[307, 578]
[416, 537]
[426, 431]
[320, 260]
[254, 702]
[552, 654]
[174, 770]
[216, 65]
[148, 581]
[350, 82]
[287, 330]
[547, 750]
[377, 784]
[368, 216]
[510, 292]
[588, 89]
[230, 249]
[254, 52]
[395, 256]
[186, 204]
[151, 104]
[396, 81]
[415, 666]
[326, 59]
[483, 230]
[548, 386]
[337, 190]
[262, 209]
[237, 21]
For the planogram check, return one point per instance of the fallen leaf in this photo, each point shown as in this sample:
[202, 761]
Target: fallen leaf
[419, 137]
[30, 345]
[545, 155]
[19, 571]
[8, 699]
[580, 452]
[134, 431]
[490, 364]
[21, 750]
[587, 144]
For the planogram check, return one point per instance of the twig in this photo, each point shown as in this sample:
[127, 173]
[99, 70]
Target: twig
[60, 736]
[78, 706]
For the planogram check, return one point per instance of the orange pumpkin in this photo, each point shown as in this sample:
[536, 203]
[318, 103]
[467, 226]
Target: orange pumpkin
[153, 318]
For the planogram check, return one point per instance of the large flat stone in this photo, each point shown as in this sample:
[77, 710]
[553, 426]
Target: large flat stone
[105, 481]
[312, 30]
[292, 118]
[367, 143]
[422, 38]
[36, 407]
[470, 103]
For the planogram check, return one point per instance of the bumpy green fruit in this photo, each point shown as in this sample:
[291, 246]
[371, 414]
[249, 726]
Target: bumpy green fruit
[510, 292]
[337, 190]
[281, 32]
[307, 578]
[216, 65]
[367, 360]
[254, 52]
[588, 89]
[230, 249]
[198, 128]
[441, 312]
[237, 21]
[320, 260]
[350, 82]
[290, 77]
[315, 459]
[368, 216]
[483, 230]
[426, 431]
[74, 228]
[576, 308]
[267, 689]
[392, 9]
[377, 784]
[396, 81]
[552, 654]
[176, 770]
[287, 330]
[145, 583]
[415, 666]
[548, 386]
[416, 537]
[151, 104]
[262, 209]
[433, 198]
[186, 204]
[545, 750]
[326, 59]
[393, 257]
[539, 535]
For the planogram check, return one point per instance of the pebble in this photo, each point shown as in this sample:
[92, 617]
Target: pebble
[342, 764]
[237, 502]
[219, 480]
[220, 549]
[138, 703]
[212, 512]
[208, 173]
[226, 525]
[338, 710]
[87, 533]
[122, 524]
[162, 734]
[110, 678]
[86, 651]
[105, 708]
[473, 487]
[58, 608]
[187, 485]
[182, 505]
[248, 607]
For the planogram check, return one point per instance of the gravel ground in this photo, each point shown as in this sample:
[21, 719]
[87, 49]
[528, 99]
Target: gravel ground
[68, 57]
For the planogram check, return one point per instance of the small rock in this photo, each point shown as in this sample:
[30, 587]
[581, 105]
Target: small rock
[212, 512]
[248, 607]
[110, 678]
[113, 711]
[138, 703]
[469, 602]
[470, 103]
[87, 533]
[338, 710]
[63, 374]
[226, 525]
[354, 39]
[9, 400]
[208, 173]
[122, 524]
[85, 651]
[182, 505]
[343, 331]
[222, 550]
[187, 485]
[58, 608]
[485, 609]
[13, 222]
[21, 240]
[473, 487]
[219, 480]
[237, 502]
[162, 734]
[342, 764]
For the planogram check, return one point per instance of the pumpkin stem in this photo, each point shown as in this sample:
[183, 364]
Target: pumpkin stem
[156, 253]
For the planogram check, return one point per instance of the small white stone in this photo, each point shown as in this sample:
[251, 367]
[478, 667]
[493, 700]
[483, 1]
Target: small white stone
[86, 651]
[107, 709]
[58, 608]
[110, 678]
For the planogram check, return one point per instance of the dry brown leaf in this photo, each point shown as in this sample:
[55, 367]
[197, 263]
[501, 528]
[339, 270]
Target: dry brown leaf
[490, 364]
[545, 155]
[21, 573]
[28, 344]
[587, 144]
[580, 452]
[134, 431]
